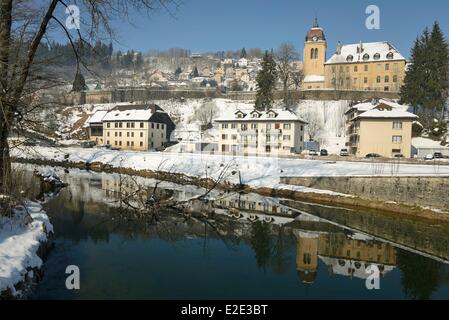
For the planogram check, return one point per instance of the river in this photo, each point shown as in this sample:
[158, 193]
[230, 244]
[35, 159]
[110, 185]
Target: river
[293, 250]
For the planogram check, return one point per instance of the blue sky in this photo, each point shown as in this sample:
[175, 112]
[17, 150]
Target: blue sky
[210, 25]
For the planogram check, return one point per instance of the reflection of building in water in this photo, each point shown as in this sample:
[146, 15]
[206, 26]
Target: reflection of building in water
[343, 254]
[256, 203]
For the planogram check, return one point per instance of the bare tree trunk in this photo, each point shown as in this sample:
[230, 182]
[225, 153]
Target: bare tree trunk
[5, 36]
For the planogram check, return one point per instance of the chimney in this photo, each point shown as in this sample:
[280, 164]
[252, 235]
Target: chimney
[361, 47]
[338, 51]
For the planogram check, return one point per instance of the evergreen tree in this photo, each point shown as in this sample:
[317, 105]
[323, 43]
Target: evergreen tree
[139, 60]
[426, 83]
[243, 53]
[79, 84]
[195, 72]
[178, 71]
[266, 82]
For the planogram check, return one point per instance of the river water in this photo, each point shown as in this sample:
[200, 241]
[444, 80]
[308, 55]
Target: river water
[293, 250]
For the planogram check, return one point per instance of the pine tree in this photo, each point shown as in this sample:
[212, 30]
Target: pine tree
[266, 82]
[426, 83]
[79, 84]
[196, 74]
[243, 53]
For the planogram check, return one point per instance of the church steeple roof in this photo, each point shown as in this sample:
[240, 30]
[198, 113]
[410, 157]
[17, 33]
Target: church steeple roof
[316, 33]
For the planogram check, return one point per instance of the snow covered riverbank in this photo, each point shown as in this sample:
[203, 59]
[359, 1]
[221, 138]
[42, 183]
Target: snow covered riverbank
[21, 238]
[253, 171]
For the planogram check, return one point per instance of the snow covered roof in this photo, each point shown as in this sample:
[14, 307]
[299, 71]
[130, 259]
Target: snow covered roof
[132, 113]
[425, 143]
[384, 111]
[255, 115]
[371, 52]
[313, 78]
[97, 117]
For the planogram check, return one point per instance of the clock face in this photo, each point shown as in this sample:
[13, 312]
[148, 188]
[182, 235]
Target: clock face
[315, 38]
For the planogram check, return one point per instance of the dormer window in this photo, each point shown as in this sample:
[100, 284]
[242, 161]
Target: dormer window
[365, 57]
[350, 58]
[255, 114]
[271, 114]
[390, 55]
[377, 56]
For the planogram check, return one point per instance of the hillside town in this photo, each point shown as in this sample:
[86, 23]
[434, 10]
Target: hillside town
[255, 165]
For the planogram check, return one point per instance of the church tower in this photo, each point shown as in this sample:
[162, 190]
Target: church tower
[314, 57]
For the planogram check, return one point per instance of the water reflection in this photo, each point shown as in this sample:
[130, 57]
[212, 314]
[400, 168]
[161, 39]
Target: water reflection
[249, 247]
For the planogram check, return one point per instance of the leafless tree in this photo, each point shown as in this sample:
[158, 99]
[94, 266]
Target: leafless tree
[285, 56]
[206, 113]
[24, 26]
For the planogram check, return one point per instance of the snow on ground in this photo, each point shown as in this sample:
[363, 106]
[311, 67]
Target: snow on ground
[254, 171]
[19, 243]
[426, 143]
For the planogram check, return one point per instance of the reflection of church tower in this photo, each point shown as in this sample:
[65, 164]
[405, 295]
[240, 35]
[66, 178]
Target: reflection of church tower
[314, 57]
[307, 256]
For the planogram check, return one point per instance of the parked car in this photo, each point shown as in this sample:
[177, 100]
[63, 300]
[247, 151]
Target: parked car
[344, 153]
[429, 157]
[438, 155]
[324, 153]
[114, 148]
[398, 155]
[87, 144]
[373, 155]
[313, 153]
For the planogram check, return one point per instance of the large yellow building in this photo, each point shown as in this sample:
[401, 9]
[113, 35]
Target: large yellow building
[382, 127]
[375, 66]
[131, 127]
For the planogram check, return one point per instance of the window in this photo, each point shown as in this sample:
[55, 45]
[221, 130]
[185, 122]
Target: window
[120, 125]
[152, 126]
[115, 133]
[132, 134]
[387, 79]
[390, 55]
[127, 143]
[120, 134]
[377, 56]
[253, 125]
[268, 126]
[287, 126]
[387, 67]
[397, 139]
[132, 124]
[224, 136]
[356, 69]
[233, 125]
[395, 68]
[120, 143]
[349, 58]
[107, 142]
[234, 137]
[108, 125]
[108, 134]
[365, 57]
[286, 138]
[128, 125]
[141, 124]
[244, 127]
[157, 126]
[141, 134]
[378, 80]
[127, 134]
[395, 78]
[162, 126]
[116, 125]
[397, 125]
[302, 127]
[223, 126]
[365, 80]
[141, 143]
[366, 68]
[378, 67]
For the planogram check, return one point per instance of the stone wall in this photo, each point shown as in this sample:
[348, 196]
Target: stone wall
[419, 191]
[143, 94]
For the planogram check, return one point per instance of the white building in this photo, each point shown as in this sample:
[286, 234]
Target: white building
[276, 132]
